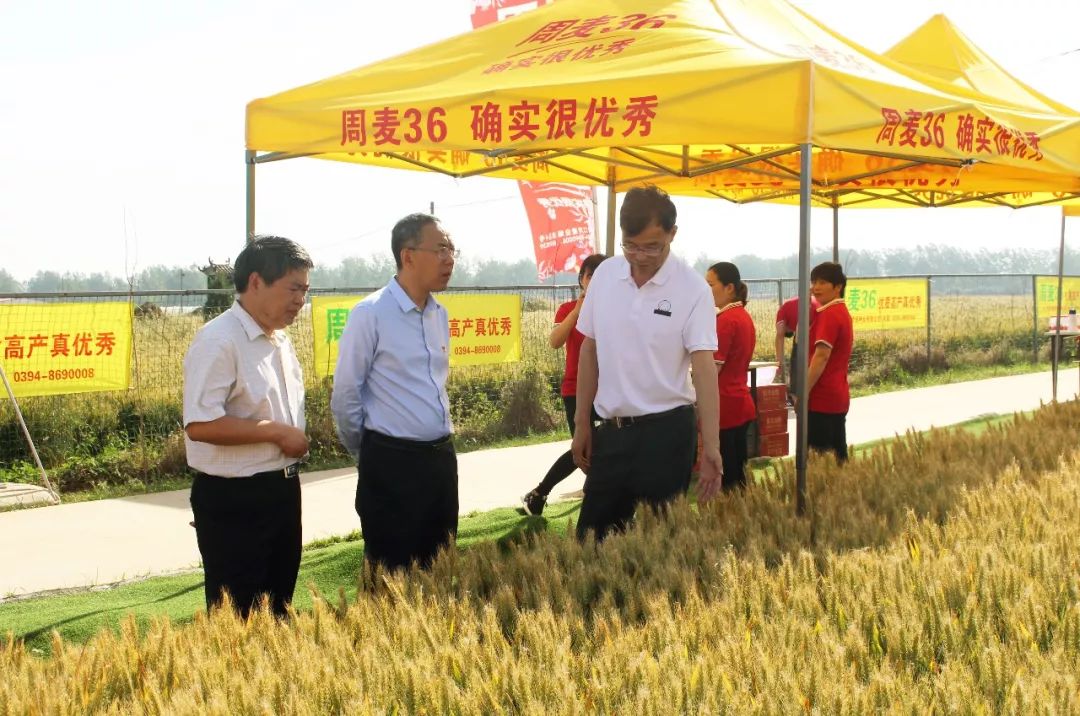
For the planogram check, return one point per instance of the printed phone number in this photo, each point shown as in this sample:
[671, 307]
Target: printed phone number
[476, 350]
[30, 376]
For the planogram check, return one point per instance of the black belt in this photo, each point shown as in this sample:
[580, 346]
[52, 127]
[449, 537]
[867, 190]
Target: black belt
[408, 443]
[283, 473]
[622, 422]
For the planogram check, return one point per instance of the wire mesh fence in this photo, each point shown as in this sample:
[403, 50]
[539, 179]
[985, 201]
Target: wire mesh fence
[973, 320]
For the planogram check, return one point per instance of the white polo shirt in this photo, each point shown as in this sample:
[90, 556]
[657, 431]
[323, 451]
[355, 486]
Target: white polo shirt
[644, 336]
[233, 368]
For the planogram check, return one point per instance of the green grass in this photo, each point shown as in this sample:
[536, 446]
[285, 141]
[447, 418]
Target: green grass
[328, 566]
[78, 615]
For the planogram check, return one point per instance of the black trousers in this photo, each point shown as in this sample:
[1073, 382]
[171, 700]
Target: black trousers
[564, 466]
[407, 499]
[734, 452]
[249, 535]
[827, 432]
[644, 462]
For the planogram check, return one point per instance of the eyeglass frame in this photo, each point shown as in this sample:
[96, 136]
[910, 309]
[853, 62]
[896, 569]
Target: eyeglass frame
[650, 251]
[443, 252]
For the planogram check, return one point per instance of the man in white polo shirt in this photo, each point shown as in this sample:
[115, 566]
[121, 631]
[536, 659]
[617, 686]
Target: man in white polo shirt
[244, 431]
[647, 318]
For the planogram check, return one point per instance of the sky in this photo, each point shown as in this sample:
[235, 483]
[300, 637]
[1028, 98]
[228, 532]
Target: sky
[122, 135]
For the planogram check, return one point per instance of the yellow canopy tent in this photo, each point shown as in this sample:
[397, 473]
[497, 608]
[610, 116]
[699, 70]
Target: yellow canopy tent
[938, 49]
[698, 96]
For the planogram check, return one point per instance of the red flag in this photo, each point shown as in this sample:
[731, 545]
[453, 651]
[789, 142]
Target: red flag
[561, 215]
[562, 221]
[486, 12]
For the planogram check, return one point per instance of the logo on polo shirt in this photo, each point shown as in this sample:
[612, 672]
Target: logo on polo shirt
[663, 309]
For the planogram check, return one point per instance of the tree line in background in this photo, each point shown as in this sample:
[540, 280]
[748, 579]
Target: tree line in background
[361, 272]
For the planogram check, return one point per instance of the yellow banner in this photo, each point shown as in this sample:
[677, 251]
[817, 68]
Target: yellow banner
[1046, 290]
[883, 303]
[484, 328]
[59, 348]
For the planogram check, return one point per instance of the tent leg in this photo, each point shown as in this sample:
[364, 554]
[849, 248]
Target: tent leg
[1056, 348]
[610, 248]
[802, 332]
[249, 167]
[29, 440]
[596, 220]
[835, 232]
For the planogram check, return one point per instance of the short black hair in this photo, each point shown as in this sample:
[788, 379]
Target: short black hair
[644, 205]
[271, 257]
[406, 233]
[832, 272]
[588, 266]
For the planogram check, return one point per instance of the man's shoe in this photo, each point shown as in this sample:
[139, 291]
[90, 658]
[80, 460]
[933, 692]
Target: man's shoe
[534, 503]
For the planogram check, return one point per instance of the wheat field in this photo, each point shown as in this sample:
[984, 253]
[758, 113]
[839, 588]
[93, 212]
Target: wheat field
[935, 575]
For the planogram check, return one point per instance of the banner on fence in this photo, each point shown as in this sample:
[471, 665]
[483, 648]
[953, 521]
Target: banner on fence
[59, 348]
[484, 328]
[1047, 293]
[883, 303]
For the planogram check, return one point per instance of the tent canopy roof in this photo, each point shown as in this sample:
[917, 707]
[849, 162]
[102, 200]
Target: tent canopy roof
[939, 48]
[705, 97]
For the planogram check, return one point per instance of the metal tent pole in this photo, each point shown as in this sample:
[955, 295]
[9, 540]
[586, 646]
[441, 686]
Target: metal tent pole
[249, 167]
[1057, 336]
[802, 331]
[26, 433]
[835, 231]
[610, 248]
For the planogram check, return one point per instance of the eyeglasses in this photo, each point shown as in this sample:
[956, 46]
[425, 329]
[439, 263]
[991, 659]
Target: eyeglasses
[643, 250]
[443, 252]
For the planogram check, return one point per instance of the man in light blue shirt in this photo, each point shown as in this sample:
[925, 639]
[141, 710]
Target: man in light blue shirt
[390, 404]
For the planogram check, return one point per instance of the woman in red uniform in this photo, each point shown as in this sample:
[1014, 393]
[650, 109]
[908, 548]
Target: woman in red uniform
[565, 333]
[735, 337]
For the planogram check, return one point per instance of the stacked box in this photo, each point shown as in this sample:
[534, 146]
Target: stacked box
[771, 422]
[772, 435]
[774, 445]
[771, 397]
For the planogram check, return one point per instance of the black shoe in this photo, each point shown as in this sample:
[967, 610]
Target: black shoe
[534, 503]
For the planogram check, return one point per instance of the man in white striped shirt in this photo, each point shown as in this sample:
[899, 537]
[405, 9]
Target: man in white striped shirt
[244, 431]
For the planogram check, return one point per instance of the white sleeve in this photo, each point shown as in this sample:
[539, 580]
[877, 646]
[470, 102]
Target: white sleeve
[209, 378]
[356, 352]
[699, 331]
[585, 324]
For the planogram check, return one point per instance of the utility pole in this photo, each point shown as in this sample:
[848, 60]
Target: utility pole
[432, 211]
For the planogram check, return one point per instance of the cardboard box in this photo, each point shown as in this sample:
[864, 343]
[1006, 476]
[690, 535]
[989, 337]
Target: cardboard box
[771, 397]
[775, 445]
[771, 422]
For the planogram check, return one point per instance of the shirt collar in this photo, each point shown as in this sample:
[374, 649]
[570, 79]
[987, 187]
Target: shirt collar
[733, 304]
[249, 324]
[401, 297]
[659, 278]
[830, 303]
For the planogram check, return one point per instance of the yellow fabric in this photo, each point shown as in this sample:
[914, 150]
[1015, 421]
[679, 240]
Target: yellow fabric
[484, 328]
[1046, 288]
[61, 348]
[939, 48]
[692, 82]
[886, 303]
[1071, 209]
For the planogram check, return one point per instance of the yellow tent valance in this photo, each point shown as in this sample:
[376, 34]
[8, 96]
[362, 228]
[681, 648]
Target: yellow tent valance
[621, 91]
